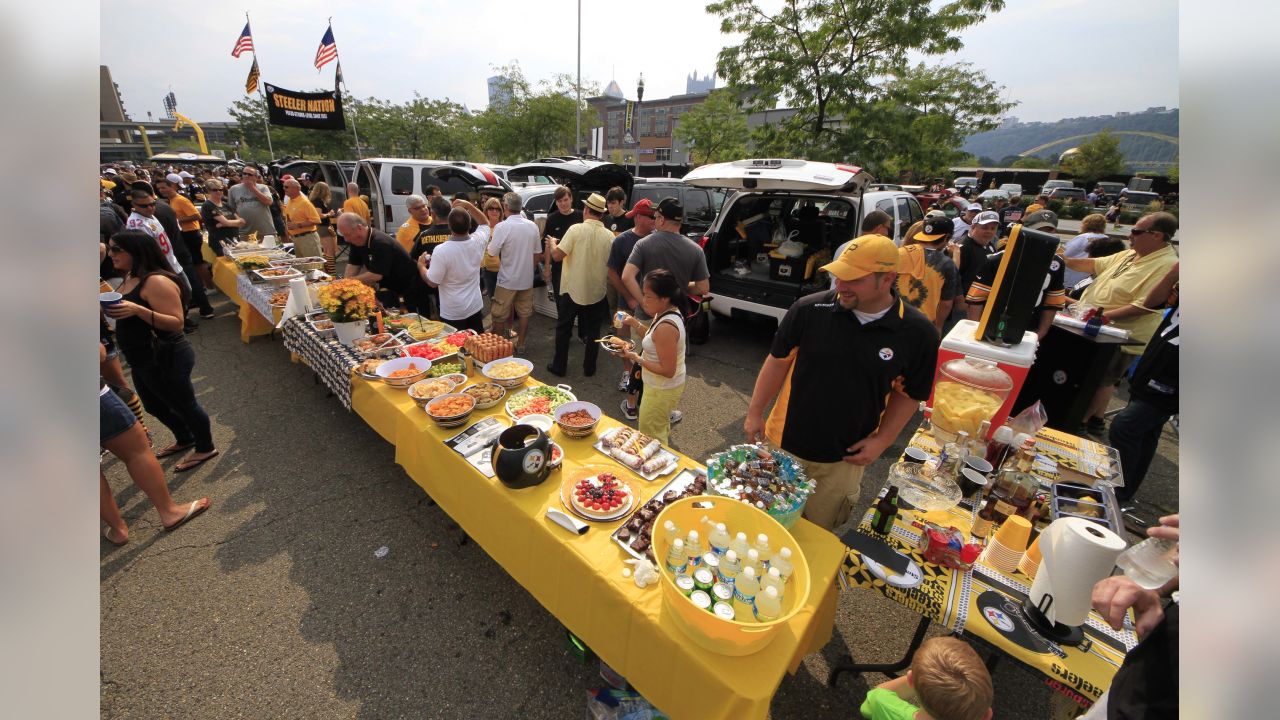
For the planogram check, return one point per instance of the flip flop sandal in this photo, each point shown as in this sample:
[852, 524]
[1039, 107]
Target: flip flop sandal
[193, 464]
[106, 533]
[173, 450]
[192, 511]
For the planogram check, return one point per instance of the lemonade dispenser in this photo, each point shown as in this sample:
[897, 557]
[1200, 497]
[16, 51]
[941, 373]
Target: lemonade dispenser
[969, 390]
[1015, 362]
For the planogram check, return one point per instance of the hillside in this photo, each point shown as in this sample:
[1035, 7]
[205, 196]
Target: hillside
[1014, 138]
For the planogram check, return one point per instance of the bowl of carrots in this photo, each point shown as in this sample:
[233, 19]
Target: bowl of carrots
[451, 410]
[403, 372]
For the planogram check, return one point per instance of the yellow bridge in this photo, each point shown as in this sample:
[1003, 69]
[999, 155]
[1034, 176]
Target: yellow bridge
[1040, 148]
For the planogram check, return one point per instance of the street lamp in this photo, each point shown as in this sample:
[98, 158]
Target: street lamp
[639, 99]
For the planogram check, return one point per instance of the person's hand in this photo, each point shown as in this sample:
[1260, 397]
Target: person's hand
[124, 309]
[753, 427]
[866, 450]
[632, 323]
[1169, 530]
[1116, 594]
[630, 356]
[424, 259]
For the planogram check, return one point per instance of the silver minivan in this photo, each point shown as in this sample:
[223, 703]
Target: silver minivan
[820, 205]
[388, 182]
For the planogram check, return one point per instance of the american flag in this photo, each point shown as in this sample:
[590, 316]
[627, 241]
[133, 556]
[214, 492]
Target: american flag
[328, 50]
[244, 43]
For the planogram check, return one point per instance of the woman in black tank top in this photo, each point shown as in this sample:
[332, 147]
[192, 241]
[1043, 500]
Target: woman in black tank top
[149, 332]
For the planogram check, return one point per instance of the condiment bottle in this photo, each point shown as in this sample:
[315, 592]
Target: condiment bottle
[998, 448]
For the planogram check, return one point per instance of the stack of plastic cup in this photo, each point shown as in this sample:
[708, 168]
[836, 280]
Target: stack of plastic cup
[1009, 544]
[1030, 563]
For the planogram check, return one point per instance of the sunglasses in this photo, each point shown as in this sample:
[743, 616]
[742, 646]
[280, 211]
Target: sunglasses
[113, 249]
[1137, 231]
[144, 205]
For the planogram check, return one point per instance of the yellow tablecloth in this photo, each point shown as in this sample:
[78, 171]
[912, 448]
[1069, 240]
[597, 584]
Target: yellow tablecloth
[579, 580]
[252, 323]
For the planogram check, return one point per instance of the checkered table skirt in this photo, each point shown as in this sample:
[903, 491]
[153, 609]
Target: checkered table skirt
[331, 361]
[258, 295]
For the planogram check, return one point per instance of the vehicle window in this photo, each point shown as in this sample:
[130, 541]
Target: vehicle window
[654, 193]
[908, 213]
[448, 187]
[697, 206]
[539, 203]
[401, 180]
[887, 206]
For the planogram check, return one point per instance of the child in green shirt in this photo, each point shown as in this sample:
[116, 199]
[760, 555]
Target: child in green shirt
[947, 681]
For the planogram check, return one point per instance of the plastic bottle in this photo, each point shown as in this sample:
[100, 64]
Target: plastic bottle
[677, 560]
[719, 540]
[762, 547]
[694, 550]
[671, 531]
[753, 561]
[730, 567]
[744, 595]
[768, 605]
[740, 545]
[782, 561]
[772, 579]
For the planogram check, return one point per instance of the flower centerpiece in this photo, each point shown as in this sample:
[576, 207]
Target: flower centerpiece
[349, 303]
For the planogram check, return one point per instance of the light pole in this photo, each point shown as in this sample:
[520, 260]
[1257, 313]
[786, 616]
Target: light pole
[577, 125]
[639, 100]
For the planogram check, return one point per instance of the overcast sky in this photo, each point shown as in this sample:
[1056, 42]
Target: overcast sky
[1057, 58]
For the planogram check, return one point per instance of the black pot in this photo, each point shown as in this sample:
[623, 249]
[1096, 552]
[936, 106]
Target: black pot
[519, 461]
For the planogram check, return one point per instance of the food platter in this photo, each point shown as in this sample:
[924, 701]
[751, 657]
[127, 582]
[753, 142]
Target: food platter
[615, 345]
[638, 445]
[526, 401]
[575, 480]
[684, 484]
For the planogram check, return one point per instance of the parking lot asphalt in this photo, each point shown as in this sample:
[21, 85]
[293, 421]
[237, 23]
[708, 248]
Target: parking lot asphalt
[275, 604]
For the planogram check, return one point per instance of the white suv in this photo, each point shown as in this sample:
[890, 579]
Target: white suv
[820, 205]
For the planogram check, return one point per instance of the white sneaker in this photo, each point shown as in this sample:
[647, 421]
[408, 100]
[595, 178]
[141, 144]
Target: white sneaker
[676, 416]
[625, 381]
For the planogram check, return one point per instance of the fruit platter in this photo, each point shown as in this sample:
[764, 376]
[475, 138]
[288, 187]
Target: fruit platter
[594, 492]
[434, 350]
[638, 452]
[540, 400]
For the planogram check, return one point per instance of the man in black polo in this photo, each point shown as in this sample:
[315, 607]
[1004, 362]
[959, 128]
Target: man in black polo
[848, 367]
[379, 261]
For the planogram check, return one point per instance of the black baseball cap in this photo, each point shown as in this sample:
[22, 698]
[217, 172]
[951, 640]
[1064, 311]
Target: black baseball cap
[936, 228]
[671, 209]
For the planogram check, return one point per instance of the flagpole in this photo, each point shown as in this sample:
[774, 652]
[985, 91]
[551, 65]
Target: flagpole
[338, 59]
[266, 118]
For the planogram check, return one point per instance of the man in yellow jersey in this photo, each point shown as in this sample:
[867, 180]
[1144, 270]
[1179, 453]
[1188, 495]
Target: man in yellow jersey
[300, 220]
[354, 203]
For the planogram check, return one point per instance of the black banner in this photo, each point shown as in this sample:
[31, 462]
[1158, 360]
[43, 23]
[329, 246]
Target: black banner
[317, 111]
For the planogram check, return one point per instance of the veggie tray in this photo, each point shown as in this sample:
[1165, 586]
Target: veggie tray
[539, 400]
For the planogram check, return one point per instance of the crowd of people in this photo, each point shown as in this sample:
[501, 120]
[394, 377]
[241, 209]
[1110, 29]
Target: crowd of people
[868, 344]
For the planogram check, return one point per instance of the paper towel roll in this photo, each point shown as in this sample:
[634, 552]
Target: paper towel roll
[1075, 554]
[299, 300]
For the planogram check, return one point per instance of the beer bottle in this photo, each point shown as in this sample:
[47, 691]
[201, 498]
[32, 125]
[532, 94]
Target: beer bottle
[987, 519]
[885, 512]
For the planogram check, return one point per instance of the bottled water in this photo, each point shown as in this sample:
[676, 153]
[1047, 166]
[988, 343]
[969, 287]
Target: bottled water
[677, 560]
[739, 545]
[762, 547]
[744, 595]
[782, 563]
[768, 605]
[694, 550]
[730, 567]
[772, 579]
[719, 540]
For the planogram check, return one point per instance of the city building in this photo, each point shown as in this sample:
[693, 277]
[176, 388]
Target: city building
[499, 91]
[693, 84]
[653, 142]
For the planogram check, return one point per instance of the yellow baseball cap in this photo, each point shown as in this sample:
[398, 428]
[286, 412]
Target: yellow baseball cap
[865, 255]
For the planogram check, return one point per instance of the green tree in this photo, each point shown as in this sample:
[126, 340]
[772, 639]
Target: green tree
[1031, 162]
[1172, 174]
[716, 130]
[920, 120]
[1098, 157]
[832, 59]
[534, 121]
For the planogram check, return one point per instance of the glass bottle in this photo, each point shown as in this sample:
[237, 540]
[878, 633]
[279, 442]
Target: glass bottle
[885, 512]
[1015, 487]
